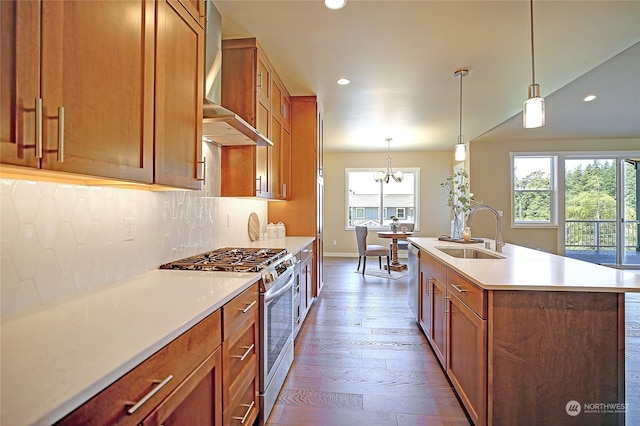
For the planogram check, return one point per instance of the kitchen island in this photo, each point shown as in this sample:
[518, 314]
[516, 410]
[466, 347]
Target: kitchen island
[57, 356]
[526, 337]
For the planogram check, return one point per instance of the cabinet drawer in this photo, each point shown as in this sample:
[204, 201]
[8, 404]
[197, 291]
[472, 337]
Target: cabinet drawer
[437, 269]
[243, 406]
[241, 309]
[240, 351]
[171, 365]
[468, 293]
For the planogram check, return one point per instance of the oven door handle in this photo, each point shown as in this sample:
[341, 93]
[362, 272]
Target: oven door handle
[269, 297]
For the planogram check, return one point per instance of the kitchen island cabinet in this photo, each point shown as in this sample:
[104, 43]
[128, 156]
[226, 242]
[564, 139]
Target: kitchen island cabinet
[89, 99]
[528, 334]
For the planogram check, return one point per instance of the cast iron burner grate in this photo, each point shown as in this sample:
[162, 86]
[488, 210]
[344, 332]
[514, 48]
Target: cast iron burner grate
[229, 259]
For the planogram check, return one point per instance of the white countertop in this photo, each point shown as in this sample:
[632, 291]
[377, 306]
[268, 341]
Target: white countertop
[59, 355]
[527, 269]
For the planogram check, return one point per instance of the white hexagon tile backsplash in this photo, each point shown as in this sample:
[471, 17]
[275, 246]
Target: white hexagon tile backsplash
[57, 240]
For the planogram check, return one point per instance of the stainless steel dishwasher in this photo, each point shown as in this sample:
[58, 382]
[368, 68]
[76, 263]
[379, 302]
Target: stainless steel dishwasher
[414, 279]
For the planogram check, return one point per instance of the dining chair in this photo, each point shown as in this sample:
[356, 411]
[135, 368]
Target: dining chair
[365, 249]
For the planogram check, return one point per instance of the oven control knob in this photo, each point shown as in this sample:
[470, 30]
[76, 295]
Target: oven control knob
[268, 277]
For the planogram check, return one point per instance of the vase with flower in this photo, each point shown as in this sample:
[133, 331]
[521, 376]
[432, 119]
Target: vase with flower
[459, 199]
[395, 224]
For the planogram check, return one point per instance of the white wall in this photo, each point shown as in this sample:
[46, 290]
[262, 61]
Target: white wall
[58, 240]
[434, 213]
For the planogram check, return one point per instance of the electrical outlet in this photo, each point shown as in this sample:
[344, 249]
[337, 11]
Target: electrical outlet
[500, 213]
[129, 226]
[335, 242]
[228, 220]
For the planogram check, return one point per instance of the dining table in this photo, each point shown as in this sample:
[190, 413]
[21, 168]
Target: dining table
[395, 264]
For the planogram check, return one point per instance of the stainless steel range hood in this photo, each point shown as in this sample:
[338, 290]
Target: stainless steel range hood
[225, 128]
[220, 125]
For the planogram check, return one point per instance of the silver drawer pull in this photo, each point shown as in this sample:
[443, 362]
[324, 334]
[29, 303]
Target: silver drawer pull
[61, 134]
[458, 289]
[249, 408]
[249, 349]
[160, 385]
[245, 310]
[38, 128]
[204, 169]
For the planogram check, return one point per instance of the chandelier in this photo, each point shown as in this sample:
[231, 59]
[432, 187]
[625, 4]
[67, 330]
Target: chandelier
[381, 176]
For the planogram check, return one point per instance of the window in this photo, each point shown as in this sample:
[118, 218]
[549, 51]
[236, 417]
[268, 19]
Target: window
[372, 203]
[533, 190]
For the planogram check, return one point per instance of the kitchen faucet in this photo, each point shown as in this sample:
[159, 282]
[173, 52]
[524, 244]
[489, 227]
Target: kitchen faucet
[499, 242]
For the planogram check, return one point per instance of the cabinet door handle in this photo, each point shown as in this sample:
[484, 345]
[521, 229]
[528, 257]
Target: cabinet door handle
[204, 169]
[249, 408]
[245, 310]
[38, 128]
[444, 299]
[61, 134]
[458, 289]
[243, 356]
[160, 385]
[259, 82]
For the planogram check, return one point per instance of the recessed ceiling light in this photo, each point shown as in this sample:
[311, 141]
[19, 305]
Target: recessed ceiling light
[335, 4]
[343, 81]
[589, 98]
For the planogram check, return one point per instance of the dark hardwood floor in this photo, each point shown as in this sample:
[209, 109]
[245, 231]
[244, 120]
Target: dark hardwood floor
[360, 358]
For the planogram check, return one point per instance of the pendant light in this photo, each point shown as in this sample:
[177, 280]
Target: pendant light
[335, 4]
[460, 151]
[381, 176]
[533, 107]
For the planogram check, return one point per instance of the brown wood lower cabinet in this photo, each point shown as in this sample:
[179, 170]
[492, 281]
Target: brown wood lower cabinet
[439, 331]
[467, 357]
[207, 376]
[519, 357]
[196, 401]
[240, 359]
[183, 373]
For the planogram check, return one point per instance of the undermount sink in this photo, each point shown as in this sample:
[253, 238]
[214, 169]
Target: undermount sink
[468, 253]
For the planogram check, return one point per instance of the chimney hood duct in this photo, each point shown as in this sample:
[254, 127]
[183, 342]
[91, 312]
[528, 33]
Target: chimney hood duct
[220, 125]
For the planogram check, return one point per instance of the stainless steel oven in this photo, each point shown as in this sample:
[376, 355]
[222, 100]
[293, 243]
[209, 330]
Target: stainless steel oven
[276, 331]
[276, 267]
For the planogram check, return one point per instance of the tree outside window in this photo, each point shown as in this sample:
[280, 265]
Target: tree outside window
[533, 190]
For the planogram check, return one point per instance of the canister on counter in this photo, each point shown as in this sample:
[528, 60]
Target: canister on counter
[272, 231]
[281, 230]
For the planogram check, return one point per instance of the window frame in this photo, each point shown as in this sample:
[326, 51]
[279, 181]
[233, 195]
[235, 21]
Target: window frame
[416, 197]
[553, 191]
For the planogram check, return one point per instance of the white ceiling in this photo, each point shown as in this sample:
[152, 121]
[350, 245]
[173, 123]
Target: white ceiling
[401, 57]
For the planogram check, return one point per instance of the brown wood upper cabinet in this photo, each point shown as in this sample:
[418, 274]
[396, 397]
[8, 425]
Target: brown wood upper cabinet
[81, 89]
[302, 213]
[252, 89]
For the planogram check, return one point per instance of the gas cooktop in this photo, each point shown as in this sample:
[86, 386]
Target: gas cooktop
[229, 259]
